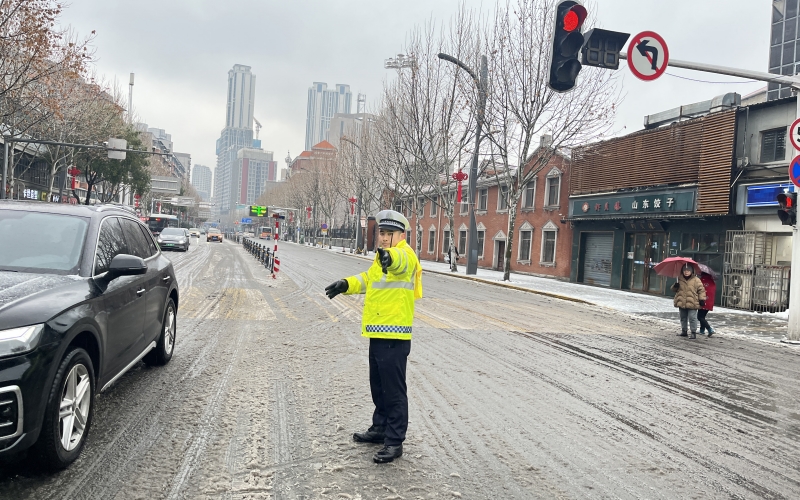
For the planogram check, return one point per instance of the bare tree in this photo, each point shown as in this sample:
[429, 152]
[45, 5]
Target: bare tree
[521, 107]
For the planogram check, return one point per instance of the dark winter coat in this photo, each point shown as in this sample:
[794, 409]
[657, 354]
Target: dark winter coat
[688, 292]
[711, 290]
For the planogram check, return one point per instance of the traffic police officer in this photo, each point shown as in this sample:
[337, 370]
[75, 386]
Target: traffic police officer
[391, 284]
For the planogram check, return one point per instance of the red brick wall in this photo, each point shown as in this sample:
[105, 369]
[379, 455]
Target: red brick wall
[496, 221]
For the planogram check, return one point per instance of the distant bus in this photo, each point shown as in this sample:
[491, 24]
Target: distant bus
[157, 222]
[265, 233]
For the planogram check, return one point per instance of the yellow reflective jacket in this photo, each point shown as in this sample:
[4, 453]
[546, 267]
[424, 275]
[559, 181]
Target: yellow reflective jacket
[389, 304]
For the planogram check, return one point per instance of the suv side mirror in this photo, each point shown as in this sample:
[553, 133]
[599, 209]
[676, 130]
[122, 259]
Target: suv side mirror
[126, 265]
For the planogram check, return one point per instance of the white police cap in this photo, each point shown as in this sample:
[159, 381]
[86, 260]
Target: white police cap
[389, 219]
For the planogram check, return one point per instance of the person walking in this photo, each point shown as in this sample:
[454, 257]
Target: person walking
[452, 257]
[391, 284]
[711, 291]
[690, 295]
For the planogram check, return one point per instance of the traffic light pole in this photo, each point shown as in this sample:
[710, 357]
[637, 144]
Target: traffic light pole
[793, 334]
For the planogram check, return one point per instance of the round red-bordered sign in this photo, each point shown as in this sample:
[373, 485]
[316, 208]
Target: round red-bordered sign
[648, 56]
[794, 134]
[794, 171]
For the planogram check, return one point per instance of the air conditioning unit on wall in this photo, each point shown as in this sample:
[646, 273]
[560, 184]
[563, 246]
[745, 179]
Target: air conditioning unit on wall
[738, 292]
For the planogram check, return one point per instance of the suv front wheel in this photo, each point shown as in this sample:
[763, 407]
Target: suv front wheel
[69, 411]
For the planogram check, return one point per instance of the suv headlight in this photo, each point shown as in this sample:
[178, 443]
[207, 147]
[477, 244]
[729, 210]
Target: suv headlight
[20, 340]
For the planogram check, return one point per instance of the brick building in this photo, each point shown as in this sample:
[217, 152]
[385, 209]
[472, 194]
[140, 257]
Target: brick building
[542, 241]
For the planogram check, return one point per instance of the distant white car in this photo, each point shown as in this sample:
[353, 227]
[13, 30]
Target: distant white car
[194, 232]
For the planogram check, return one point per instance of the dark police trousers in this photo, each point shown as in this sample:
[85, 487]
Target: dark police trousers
[387, 381]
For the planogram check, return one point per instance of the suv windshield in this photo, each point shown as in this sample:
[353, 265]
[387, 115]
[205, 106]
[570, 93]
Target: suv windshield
[174, 231]
[212, 230]
[35, 241]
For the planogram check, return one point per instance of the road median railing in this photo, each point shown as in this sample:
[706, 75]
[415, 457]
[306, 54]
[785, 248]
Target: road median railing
[261, 252]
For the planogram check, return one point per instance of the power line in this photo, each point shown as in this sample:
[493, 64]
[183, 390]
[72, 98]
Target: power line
[706, 81]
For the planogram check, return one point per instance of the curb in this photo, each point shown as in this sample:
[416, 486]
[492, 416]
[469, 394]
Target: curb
[484, 281]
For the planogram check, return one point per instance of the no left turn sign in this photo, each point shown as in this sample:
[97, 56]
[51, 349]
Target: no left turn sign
[648, 55]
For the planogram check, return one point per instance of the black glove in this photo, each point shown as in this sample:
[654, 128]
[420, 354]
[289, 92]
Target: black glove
[385, 258]
[336, 288]
[702, 303]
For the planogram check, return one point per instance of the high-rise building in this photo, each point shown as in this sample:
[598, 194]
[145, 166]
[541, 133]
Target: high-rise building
[784, 46]
[257, 168]
[237, 134]
[322, 105]
[201, 180]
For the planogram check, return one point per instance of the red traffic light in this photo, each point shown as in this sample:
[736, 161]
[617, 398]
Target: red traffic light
[785, 200]
[573, 19]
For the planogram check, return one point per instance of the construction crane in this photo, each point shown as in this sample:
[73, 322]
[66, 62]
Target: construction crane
[258, 126]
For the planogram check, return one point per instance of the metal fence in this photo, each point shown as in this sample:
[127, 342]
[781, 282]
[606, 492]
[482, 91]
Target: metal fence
[750, 282]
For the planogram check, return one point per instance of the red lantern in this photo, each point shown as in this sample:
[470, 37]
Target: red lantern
[460, 177]
[352, 204]
[308, 212]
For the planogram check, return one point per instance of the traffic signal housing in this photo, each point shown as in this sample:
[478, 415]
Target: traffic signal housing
[788, 211]
[601, 48]
[567, 43]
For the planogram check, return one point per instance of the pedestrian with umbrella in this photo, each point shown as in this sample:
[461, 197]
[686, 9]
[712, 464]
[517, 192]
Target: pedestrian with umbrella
[690, 295]
[707, 278]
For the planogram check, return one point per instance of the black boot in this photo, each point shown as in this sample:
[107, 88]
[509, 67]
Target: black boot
[373, 435]
[388, 453]
[692, 336]
[682, 334]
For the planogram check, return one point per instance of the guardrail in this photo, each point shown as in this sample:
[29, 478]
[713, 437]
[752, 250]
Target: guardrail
[261, 252]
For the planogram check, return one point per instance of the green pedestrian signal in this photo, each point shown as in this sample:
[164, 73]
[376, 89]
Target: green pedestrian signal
[257, 211]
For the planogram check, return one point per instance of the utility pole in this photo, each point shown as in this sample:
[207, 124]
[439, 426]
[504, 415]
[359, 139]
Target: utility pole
[130, 100]
[472, 248]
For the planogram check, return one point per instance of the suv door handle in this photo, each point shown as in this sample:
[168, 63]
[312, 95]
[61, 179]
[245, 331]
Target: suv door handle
[140, 292]
[166, 278]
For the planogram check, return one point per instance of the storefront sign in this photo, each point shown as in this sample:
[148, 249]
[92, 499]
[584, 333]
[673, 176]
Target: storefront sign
[642, 204]
[34, 194]
[766, 195]
[643, 225]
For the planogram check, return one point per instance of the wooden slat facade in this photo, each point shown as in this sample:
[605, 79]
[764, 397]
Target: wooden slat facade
[696, 151]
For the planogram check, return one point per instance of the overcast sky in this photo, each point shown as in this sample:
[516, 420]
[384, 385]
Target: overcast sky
[181, 51]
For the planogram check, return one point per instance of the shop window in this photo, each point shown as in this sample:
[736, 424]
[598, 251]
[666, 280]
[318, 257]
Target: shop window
[773, 145]
[525, 246]
[434, 206]
[431, 241]
[481, 238]
[462, 242]
[701, 242]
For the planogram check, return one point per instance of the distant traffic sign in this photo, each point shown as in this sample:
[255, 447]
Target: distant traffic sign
[323, 226]
[247, 220]
[794, 134]
[257, 211]
[648, 55]
[794, 171]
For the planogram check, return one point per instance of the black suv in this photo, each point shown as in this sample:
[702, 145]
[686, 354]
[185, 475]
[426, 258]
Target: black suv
[85, 294]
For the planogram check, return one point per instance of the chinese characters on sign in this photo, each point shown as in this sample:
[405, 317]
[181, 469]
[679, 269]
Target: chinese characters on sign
[635, 204]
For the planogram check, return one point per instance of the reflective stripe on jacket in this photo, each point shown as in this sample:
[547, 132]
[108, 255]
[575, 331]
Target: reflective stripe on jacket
[389, 301]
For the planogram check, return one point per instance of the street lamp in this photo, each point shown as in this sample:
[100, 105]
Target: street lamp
[472, 253]
[358, 202]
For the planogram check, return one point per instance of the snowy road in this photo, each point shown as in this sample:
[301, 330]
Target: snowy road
[512, 395]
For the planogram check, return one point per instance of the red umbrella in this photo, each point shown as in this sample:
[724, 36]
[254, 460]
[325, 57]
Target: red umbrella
[671, 266]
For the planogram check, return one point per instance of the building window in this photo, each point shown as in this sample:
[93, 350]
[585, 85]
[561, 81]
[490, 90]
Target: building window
[696, 242]
[446, 241]
[431, 241]
[530, 195]
[502, 194]
[773, 145]
[408, 237]
[525, 246]
[548, 247]
[463, 206]
[483, 200]
[421, 206]
[434, 206]
[462, 242]
[481, 238]
[553, 191]
[398, 206]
